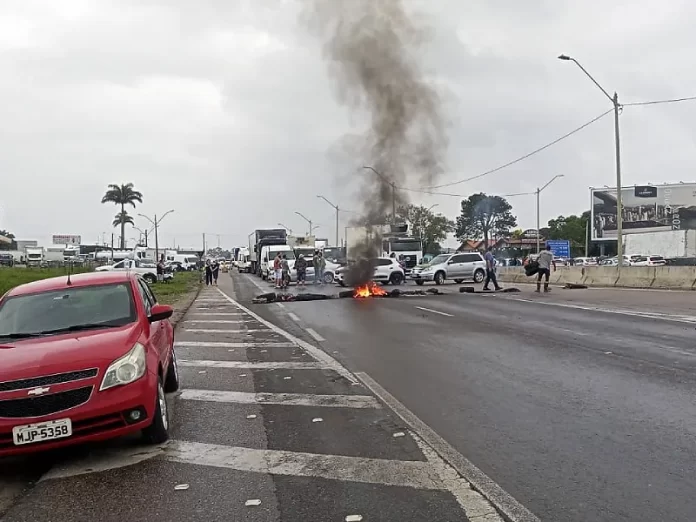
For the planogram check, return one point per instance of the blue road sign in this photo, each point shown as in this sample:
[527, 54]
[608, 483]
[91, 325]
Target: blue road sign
[559, 247]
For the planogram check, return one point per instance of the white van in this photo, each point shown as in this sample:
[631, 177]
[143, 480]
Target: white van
[268, 254]
[187, 261]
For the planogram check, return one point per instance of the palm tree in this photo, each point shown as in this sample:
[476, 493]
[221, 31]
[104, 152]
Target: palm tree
[122, 195]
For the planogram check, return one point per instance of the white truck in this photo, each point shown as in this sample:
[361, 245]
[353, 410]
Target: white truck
[668, 244]
[34, 256]
[388, 240]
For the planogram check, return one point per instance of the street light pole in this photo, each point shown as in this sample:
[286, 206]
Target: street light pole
[156, 224]
[619, 203]
[337, 211]
[307, 220]
[422, 225]
[392, 185]
[538, 211]
[286, 228]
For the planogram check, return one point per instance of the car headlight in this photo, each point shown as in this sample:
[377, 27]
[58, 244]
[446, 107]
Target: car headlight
[126, 369]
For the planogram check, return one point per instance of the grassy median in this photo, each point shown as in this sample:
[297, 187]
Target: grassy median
[167, 293]
[175, 289]
[11, 277]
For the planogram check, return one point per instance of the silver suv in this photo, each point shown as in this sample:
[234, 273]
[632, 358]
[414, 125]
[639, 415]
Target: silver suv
[458, 266]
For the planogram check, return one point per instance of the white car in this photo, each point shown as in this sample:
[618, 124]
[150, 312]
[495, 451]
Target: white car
[387, 270]
[650, 261]
[147, 272]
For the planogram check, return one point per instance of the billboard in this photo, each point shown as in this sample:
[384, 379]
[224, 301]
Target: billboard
[559, 247]
[646, 208]
[66, 240]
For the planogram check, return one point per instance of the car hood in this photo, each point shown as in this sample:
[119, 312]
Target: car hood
[64, 353]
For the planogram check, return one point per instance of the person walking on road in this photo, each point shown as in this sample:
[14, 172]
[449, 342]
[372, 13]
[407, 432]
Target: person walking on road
[319, 266]
[285, 272]
[216, 271]
[545, 261]
[490, 270]
[208, 273]
[277, 270]
[301, 267]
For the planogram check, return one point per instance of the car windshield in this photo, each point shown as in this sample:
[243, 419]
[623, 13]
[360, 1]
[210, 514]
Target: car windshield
[439, 259]
[287, 253]
[67, 309]
[405, 246]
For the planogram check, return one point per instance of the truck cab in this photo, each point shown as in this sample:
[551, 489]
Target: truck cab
[268, 254]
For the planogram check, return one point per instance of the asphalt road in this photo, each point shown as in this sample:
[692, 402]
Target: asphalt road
[267, 427]
[580, 403]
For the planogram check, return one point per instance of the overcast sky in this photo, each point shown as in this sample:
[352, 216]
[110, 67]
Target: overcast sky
[224, 111]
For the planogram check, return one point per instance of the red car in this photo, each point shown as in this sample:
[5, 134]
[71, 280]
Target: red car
[84, 359]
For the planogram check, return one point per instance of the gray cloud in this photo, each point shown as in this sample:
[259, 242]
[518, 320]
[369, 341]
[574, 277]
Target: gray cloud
[223, 110]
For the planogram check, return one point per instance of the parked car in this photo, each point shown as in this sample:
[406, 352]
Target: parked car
[6, 260]
[459, 267]
[386, 270]
[329, 272]
[84, 359]
[650, 261]
[145, 270]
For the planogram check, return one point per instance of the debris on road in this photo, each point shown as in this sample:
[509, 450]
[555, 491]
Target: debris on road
[272, 297]
[251, 416]
[399, 434]
[472, 290]
[574, 286]
[181, 487]
[354, 518]
[253, 502]
[318, 419]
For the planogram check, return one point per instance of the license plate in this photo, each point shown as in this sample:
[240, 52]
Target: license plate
[41, 431]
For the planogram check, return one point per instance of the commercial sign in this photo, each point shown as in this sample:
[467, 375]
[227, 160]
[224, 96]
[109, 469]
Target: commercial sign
[559, 247]
[66, 240]
[646, 208]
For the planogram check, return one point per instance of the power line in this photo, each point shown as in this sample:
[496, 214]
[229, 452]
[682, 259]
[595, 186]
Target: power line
[521, 158]
[659, 102]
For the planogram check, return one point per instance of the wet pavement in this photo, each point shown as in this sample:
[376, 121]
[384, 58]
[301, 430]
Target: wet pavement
[266, 427]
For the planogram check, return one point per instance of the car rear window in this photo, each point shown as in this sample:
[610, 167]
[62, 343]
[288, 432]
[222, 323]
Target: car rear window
[111, 305]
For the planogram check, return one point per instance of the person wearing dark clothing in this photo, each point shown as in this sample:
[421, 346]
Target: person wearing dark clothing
[490, 270]
[160, 269]
[208, 273]
[216, 271]
[301, 267]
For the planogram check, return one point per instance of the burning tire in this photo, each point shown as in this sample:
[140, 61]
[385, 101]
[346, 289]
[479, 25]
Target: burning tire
[479, 276]
[396, 278]
[439, 278]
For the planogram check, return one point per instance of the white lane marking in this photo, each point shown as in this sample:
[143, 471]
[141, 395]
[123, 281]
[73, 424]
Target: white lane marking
[212, 344]
[294, 317]
[472, 502]
[222, 307]
[215, 314]
[274, 365]
[689, 319]
[314, 334]
[434, 311]
[414, 474]
[218, 321]
[212, 301]
[315, 352]
[287, 399]
[281, 305]
[479, 481]
[218, 330]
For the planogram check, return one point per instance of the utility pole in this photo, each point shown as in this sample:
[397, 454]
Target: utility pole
[617, 143]
[204, 252]
[538, 217]
[112, 248]
[337, 211]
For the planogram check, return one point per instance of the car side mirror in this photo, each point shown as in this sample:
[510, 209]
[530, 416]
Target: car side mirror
[160, 312]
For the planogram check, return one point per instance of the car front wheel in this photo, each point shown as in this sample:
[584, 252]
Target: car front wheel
[158, 431]
[150, 278]
[479, 276]
[328, 278]
[396, 278]
[439, 278]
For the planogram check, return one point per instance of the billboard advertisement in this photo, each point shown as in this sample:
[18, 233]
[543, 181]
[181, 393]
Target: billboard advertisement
[646, 208]
[559, 247]
[66, 240]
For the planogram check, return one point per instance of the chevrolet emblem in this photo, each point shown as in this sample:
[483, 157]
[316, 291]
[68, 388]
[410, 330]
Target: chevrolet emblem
[38, 391]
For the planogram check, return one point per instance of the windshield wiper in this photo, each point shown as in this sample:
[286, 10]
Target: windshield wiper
[20, 335]
[81, 327]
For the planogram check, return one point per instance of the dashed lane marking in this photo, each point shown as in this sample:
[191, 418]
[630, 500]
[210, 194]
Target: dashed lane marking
[220, 314]
[314, 334]
[274, 365]
[218, 344]
[294, 317]
[217, 321]
[286, 399]
[434, 311]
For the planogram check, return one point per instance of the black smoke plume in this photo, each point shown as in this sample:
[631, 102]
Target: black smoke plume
[371, 49]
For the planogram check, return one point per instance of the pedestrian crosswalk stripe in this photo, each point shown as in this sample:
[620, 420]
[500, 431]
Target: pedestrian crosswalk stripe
[274, 365]
[214, 330]
[217, 344]
[218, 321]
[404, 473]
[288, 399]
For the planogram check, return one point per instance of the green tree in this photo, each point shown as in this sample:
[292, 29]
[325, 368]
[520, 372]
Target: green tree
[122, 195]
[7, 246]
[484, 216]
[429, 227]
[573, 228]
[123, 218]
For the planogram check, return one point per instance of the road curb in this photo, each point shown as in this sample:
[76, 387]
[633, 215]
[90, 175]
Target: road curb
[180, 311]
